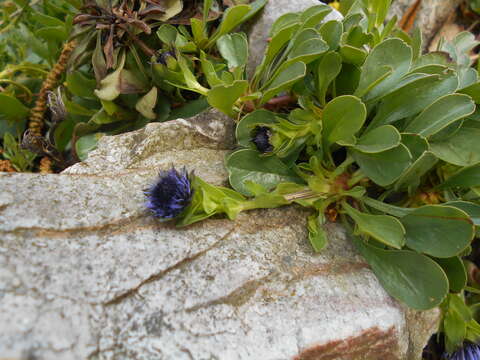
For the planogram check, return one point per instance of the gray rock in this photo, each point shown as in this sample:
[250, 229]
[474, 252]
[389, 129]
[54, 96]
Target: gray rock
[86, 273]
[431, 15]
[259, 31]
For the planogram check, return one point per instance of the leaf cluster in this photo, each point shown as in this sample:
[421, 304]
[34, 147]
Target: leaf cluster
[378, 136]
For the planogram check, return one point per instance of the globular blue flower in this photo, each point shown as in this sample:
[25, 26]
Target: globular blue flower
[469, 351]
[261, 139]
[170, 194]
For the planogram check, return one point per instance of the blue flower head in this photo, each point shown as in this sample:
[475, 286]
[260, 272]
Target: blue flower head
[170, 194]
[261, 139]
[469, 351]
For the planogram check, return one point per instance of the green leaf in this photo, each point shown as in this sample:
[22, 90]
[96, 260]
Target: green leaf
[411, 177]
[11, 108]
[306, 51]
[52, 33]
[249, 165]
[317, 236]
[234, 49]
[455, 271]
[465, 178]
[386, 229]
[283, 80]
[78, 84]
[353, 55]
[441, 113]
[328, 69]
[413, 98]
[439, 231]
[189, 109]
[392, 57]
[223, 97]
[385, 167]
[462, 148]
[167, 33]
[331, 32]
[243, 132]
[398, 272]
[383, 138]
[86, 144]
[147, 103]
[342, 118]
[473, 210]
[233, 17]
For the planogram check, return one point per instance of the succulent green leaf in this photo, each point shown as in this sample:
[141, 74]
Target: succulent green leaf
[380, 139]
[391, 56]
[317, 235]
[413, 98]
[439, 231]
[331, 33]
[441, 113]
[462, 148]
[465, 178]
[342, 118]
[234, 49]
[411, 177]
[283, 80]
[385, 167]
[249, 165]
[384, 228]
[455, 271]
[223, 97]
[11, 108]
[398, 272]
[328, 69]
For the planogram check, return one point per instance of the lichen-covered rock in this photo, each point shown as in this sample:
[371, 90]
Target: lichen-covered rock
[87, 273]
[258, 33]
[431, 14]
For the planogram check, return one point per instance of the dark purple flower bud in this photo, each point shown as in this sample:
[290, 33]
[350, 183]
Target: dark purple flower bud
[469, 351]
[261, 139]
[166, 58]
[170, 195]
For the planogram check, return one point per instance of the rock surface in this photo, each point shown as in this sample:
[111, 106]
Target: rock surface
[86, 273]
[432, 14]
